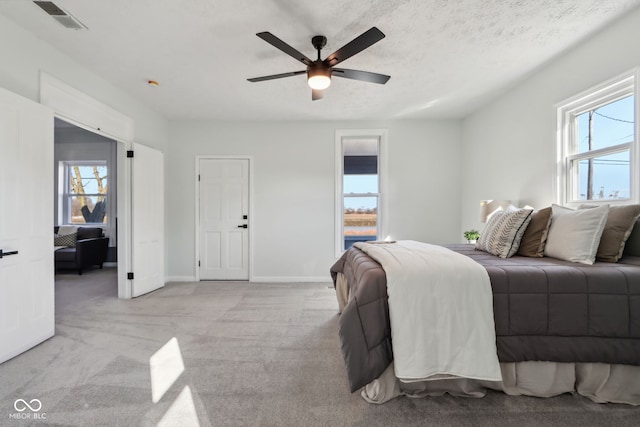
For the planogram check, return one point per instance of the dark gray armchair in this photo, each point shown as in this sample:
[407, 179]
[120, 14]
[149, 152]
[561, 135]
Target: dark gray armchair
[90, 250]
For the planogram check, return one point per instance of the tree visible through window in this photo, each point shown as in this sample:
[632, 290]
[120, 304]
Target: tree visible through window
[86, 192]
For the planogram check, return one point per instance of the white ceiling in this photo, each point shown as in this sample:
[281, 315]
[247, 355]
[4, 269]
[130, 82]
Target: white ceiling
[445, 58]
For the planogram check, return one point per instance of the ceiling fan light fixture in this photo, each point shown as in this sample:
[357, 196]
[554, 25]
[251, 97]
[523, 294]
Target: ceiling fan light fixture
[319, 78]
[320, 72]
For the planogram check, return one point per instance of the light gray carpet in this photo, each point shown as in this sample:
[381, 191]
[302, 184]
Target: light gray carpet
[253, 354]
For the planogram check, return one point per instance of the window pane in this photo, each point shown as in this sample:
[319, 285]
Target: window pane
[611, 177]
[360, 189]
[86, 193]
[360, 216]
[606, 126]
[88, 209]
[360, 184]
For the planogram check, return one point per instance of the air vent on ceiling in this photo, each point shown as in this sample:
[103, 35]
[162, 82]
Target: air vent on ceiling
[60, 15]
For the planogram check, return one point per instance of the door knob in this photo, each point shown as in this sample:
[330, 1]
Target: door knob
[242, 226]
[4, 254]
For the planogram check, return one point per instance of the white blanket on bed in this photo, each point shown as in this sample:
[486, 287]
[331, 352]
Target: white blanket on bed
[441, 312]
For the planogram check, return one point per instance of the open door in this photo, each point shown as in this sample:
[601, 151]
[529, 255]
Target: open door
[26, 226]
[147, 222]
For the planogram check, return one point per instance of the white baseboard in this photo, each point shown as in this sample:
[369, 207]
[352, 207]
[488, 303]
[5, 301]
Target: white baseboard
[291, 279]
[180, 279]
[264, 279]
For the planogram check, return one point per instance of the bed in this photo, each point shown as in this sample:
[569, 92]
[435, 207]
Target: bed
[560, 326]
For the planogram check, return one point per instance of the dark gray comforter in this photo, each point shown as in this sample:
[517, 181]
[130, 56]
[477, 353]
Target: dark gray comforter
[544, 309]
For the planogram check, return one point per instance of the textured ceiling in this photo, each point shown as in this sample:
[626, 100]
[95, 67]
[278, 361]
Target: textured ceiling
[445, 58]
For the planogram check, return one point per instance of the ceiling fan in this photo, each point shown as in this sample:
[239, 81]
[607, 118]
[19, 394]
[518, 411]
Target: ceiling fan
[319, 72]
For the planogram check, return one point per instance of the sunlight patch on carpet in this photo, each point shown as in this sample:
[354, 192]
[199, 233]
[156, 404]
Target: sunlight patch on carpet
[166, 366]
[182, 411]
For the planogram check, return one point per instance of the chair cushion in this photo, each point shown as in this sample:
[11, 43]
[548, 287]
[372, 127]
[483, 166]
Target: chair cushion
[65, 255]
[89, 232]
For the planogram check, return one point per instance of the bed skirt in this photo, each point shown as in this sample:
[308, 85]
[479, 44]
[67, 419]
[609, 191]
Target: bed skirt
[600, 382]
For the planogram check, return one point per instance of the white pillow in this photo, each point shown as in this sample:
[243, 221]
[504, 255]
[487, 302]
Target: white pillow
[63, 230]
[574, 235]
[503, 232]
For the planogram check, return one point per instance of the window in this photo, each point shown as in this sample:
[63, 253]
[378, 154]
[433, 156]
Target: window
[85, 194]
[358, 187]
[598, 145]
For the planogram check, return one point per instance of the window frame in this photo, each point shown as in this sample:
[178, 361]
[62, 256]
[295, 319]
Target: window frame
[340, 136]
[567, 177]
[66, 195]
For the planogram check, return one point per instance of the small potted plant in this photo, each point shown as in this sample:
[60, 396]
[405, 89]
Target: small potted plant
[471, 235]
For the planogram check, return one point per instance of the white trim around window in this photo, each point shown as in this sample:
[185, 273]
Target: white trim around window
[340, 136]
[67, 193]
[569, 156]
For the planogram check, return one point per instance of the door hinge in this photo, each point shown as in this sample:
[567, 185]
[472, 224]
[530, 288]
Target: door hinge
[129, 276]
[198, 177]
[129, 154]
[198, 263]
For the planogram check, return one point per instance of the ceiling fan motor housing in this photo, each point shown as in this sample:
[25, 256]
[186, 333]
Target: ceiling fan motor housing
[319, 42]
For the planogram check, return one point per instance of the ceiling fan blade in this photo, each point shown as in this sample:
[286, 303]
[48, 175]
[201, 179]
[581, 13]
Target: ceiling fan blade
[276, 42]
[364, 76]
[276, 76]
[356, 45]
[316, 94]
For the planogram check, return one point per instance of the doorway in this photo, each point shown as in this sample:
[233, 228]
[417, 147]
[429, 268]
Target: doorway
[223, 221]
[85, 195]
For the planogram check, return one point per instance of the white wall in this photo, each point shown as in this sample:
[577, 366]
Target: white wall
[24, 56]
[293, 168]
[293, 206]
[509, 146]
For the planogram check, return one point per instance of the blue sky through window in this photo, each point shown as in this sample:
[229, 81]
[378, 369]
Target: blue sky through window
[89, 181]
[613, 124]
[360, 184]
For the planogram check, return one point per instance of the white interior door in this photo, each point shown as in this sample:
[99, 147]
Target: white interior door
[26, 225]
[224, 210]
[147, 222]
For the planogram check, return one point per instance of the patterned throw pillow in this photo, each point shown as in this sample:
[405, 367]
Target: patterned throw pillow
[504, 230]
[65, 239]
